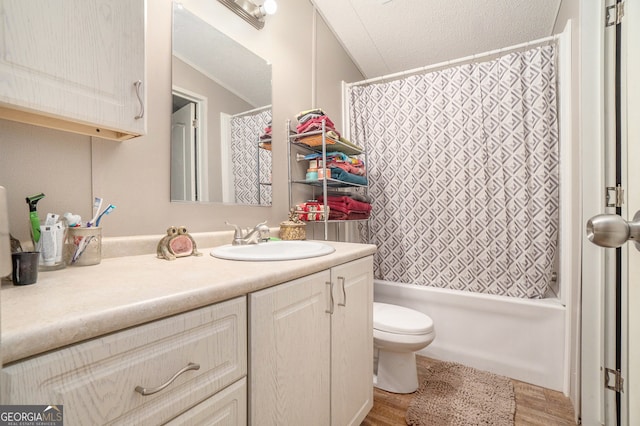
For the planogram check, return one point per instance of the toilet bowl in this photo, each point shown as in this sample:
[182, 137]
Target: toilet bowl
[399, 332]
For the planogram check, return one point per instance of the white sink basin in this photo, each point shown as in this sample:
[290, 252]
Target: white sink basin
[273, 250]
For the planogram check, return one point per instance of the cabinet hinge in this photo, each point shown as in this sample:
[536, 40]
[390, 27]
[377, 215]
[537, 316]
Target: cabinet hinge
[618, 381]
[614, 14]
[618, 196]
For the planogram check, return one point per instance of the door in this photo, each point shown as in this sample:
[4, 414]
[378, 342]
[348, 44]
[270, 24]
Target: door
[613, 400]
[183, 154]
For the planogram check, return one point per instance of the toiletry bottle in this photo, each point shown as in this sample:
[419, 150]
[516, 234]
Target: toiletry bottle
[312, 174]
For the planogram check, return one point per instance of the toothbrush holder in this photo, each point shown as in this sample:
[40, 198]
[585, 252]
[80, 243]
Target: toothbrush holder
[84, 246]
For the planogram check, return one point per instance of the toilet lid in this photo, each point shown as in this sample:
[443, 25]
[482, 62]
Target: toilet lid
[401, 320]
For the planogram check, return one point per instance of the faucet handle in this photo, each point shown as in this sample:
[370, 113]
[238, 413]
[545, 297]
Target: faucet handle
[263, 231]
[238, 231]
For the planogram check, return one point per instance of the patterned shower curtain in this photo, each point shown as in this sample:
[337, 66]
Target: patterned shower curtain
[463, 172]
[245, 133]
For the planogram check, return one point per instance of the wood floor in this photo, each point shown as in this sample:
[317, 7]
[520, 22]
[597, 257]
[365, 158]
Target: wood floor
[535, 406]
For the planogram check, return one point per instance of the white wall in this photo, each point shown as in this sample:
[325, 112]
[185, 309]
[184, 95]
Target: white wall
[134, 175]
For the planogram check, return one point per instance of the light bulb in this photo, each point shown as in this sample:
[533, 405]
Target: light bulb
[270, 7]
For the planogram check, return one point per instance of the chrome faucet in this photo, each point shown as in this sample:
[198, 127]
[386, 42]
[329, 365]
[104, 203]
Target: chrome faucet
[259, 233]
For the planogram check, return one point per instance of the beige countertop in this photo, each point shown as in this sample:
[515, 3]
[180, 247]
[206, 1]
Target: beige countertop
[79, 303]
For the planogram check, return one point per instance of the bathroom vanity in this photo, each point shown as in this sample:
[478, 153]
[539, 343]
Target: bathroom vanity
[139, 340]
[312, 348]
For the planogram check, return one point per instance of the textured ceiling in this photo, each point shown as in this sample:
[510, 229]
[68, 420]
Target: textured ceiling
[388, 36]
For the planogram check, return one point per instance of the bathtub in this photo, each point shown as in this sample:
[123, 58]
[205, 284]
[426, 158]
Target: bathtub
[518, 338]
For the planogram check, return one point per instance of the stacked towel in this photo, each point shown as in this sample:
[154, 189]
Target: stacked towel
[265, 138]
[267, 132]
[311, 121]
[339, 174]
[355, 168]
[355, 195]
[346, 208]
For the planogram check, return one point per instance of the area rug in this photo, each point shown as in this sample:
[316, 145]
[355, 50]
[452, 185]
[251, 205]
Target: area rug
[453, 394]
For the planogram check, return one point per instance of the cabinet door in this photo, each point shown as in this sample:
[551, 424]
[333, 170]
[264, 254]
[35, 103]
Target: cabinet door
[352, 342]
[74, 59]
[290, 353]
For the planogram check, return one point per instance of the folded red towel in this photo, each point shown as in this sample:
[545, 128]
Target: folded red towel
[334, 215]
[346, 204]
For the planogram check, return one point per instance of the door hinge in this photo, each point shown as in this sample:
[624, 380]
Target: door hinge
[618, 381]
[195, 123]
[618, 196]
[614, 14]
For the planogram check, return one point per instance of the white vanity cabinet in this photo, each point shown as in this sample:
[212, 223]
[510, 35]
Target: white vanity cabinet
[75, 65]
[311, 348]
[99, 381]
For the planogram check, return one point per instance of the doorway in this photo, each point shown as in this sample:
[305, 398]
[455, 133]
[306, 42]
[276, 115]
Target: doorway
[189, 153]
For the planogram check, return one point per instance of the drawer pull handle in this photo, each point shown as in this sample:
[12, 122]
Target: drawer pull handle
[151, 391]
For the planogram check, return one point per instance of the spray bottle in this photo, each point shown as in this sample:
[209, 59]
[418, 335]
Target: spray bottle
[33, 216]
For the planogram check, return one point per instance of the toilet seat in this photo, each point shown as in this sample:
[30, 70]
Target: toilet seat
[400, 320]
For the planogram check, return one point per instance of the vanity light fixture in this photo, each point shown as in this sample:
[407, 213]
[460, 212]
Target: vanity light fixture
[251, 12]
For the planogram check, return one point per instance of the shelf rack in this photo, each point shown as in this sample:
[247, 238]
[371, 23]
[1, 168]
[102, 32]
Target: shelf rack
[293, 140]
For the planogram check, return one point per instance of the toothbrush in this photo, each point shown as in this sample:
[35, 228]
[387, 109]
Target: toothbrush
[97, 204]
[81, 247]
[106, 211]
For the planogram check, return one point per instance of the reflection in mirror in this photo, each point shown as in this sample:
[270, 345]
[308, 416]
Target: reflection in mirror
[221, 117]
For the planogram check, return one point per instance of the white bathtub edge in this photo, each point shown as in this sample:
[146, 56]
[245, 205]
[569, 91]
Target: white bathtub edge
[518, 338]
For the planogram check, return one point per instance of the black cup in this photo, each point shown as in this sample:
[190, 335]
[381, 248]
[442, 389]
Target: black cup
[25, 267]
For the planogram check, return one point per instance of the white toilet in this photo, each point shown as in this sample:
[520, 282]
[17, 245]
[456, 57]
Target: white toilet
[398, 333]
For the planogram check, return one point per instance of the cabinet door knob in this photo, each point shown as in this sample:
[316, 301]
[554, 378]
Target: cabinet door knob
[150, 391]
[138, 85]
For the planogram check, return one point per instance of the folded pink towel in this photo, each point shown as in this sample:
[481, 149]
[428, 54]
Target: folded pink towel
[315, 124]
[355, 169]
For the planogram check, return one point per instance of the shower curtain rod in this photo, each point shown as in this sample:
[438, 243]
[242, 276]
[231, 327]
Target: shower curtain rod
[445, 64]
[251, 111]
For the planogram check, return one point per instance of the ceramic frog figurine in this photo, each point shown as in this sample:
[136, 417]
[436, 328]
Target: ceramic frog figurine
[177, 243]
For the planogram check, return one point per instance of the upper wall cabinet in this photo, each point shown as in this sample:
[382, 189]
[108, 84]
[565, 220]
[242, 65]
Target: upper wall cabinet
[74, 65]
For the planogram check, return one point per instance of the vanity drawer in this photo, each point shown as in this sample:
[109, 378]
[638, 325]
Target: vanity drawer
[226, 408]
[96, 381]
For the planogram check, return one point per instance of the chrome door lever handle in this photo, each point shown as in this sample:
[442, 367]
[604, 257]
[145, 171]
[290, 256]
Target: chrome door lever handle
[612, 231]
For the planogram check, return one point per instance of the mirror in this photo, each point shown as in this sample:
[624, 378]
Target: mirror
[221, 117]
